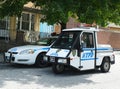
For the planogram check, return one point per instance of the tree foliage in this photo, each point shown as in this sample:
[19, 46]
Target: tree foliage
[101, 11]
[12, 7]
[86, 11]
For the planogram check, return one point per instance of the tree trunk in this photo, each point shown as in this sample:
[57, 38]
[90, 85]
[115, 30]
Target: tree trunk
[63, 26]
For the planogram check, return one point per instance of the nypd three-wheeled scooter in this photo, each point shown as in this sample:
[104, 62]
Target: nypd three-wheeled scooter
[78, 47]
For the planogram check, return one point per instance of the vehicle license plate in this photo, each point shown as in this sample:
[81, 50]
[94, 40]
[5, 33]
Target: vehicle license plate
[7, 56]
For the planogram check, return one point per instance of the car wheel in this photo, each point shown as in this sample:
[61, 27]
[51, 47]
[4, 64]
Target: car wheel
[40, 61]
[105, 67]
[58, 68]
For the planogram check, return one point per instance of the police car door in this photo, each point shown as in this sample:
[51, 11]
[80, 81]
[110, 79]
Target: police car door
[87, 56]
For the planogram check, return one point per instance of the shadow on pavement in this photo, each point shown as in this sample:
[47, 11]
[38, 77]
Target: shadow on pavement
[24, 75]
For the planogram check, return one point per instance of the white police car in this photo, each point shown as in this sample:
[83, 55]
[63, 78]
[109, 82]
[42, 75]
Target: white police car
[30, 54]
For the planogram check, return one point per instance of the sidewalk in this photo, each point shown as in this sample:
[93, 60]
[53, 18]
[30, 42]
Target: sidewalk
[1, 58]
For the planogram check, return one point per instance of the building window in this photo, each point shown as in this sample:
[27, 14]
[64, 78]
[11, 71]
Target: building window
[26, 22]
[4, 27]
[4, 24]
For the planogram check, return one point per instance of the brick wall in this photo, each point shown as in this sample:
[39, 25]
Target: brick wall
[111, 38]
[115, 40]
[72, 23]
[104, 37]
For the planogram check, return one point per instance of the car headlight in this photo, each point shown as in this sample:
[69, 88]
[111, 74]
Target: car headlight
[28, 51]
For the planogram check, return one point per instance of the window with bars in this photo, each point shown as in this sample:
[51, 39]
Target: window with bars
[26, 22]
[4, 23]
[4, 27]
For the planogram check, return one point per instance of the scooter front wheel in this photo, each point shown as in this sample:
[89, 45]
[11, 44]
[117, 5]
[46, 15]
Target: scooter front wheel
[58, 68]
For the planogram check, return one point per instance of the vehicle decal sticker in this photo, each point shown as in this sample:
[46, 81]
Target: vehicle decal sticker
[73, 52]
[87, 56]
[14, 49]
[58, 52]
[45, 49]
[88, 59]
[54, 54]
[96, 49]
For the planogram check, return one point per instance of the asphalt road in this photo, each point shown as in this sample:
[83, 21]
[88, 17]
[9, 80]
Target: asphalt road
[29, 77]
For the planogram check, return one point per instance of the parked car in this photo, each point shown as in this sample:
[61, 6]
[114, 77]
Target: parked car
[30, 54]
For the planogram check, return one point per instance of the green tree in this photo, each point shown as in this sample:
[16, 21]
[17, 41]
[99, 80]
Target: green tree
[12, 7]
[100, 11]
[58, 11]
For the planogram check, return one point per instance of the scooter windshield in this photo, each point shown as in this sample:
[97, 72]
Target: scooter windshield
[66, 40]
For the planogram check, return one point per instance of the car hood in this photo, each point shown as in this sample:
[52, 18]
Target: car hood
[34, 47]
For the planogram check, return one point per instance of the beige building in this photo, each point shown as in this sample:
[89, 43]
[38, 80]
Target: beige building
[29, 21]
[25, 28]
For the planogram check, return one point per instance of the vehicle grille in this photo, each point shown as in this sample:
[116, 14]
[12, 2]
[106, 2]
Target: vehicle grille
[13, 52]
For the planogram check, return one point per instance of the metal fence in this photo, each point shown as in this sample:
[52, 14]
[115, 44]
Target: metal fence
[4, 34]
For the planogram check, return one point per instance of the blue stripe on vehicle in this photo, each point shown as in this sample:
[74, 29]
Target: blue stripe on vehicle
[85, 59]
[45, 49]
[14, 49]
[86, 49]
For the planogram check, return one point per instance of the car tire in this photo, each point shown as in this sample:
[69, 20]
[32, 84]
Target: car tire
[40, 62]
[105, 67]
[58, 68]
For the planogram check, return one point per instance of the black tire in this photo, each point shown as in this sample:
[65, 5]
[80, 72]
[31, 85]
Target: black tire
[58, 68]
[40, 62]
[105, 67]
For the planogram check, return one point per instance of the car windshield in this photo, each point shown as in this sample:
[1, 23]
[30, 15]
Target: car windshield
[45, 41]
[66, 40]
